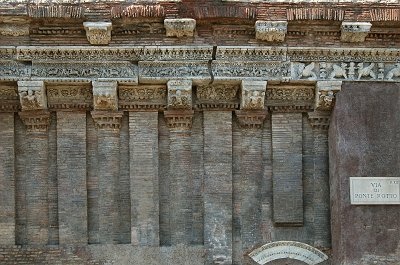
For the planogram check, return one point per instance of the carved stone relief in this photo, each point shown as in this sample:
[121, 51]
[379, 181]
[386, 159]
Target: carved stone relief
[98, 33]
[179, 94]
[180, 27]
[105, 95]
[151, 97]
[32, 95]
[14, 30]
[325, 94]
[272, 31]
[253, 95]
[69, 96]
[355, 31]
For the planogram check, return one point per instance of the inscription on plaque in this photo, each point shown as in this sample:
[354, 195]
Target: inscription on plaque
[374, 190]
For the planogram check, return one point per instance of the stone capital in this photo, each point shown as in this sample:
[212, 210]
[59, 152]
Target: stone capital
[105, 95]
[271, 31]
[354, 31]
[319, 120]
[179, 120]
[253, 95]
[179, 94]
[217, 96]
[98, 33]
[36, 121]
[325, 92]
[249, 119]
[180, 27]
[107, 120]
[32, 95]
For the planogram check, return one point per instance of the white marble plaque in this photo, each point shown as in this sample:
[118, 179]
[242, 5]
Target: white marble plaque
[384, 190]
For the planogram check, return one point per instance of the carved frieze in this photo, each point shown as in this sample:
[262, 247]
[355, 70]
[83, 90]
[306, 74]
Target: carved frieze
[69, 96]
[161, 72]
[180, 27]
[179, 120]
[107, 120]
[234, 70]
[251, 119]
[118, 71]
[325, 92]
[7, 53]
[253, 95]
[272, 31]
[142, 97]
[12, 70]
[32, 95]
[290, 97]
[98, 33]
[217, 96]
[354, 31]
[14, 30]
[105, 95]
[36, 121]
[179, 94]
[251, 53]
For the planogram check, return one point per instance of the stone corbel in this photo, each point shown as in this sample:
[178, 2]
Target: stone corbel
[271, 31]
[180, 27]
[354, 31]
[98, 33]
[105, 95]
[179, 120]
[32, 95]
[325, 92]
[9, 100]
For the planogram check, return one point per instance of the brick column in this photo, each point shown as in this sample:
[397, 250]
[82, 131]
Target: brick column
[143, 149]
[36, 118]
[108, 122]
[251, 118]
[71, 171]
[7, 179]
[179, 120]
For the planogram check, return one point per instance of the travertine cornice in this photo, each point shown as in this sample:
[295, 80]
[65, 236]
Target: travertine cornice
[251, 119]
[325, 92]
[354, 31]
[142, 97]
[32, 95]
[319, 120]
[271, 31]
[217, 96]
[290, 97]
[107, 120]
[36, 121]
[105, 96]
[98, 33]
[179, 120]
[180, 27]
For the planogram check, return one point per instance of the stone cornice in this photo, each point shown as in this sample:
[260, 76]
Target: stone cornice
[290, 97]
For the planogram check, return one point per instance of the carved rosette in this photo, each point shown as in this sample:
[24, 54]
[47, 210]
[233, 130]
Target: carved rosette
[217, 96]
[271, 31]
[253, 95]
[98, 33]
[32, 95]
[107, 120]
[105, 95]
[325, 94]
[319, 120]
[180, 94]
[36, 121]
[180, 27]
[354, 31]
[251, 119]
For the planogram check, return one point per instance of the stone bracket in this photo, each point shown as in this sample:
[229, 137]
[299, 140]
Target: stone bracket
[105, 95]
[107, 120]
[36, 121]
[98, 33]
[325, 92]
[271, 31]
[319, 120]
[354, 31]
[32, 95]
[180, 27]
[253, 95]
[179, 94]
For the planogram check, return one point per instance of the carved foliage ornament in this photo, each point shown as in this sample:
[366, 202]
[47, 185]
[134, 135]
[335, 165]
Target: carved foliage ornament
[290, 93]
[32, 95]
[105, 95]
[98, 33]
[142, 93]
[179, 94]
[253, 95]
[220, 92]
[272, 31]
[325, 94]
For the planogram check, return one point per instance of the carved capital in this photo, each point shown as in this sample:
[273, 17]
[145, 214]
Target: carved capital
[179, 120]
[32, 95]
[180, 27]
[35, 121]
[354, 31]
[253, 95]
[319, 120]
[14, 30]
[217, 96]
[272, 31]
[98, 33]
[105, 95]
[325, 94]
[251, 119]
[179, 94]
[107, 120]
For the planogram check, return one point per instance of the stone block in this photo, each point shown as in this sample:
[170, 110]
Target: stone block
[271, 31]
[180, 27]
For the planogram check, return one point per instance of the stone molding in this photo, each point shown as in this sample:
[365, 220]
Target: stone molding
[217, 96]
[107, 120]
[251, 119]
[179, 94]
[32, 95]
[142, 97]
[325, 92]
[105, 95]
[180, 27]
[319, 120]
[69, 97]
[14, 30]
[253, 95]
[179, 120]
[354, 31]
[271, 31]
[98, 33]
[36, 121]
[290, 97]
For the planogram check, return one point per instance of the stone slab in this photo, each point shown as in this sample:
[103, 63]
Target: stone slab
[379, 190]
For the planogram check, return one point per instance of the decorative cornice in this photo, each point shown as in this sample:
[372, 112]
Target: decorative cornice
[325, 92]
[32, 95]
[180, 27]
[98, 33]
[179, 120]
[319, 120]
[69, 97]
[290, 97]
[217, 97]
[251, 119]
[253, 95]
[135, 10]
[272, 31]
[107, 120]
[36, 121]
[13, 71]
[142, 97]
[105, 96]
[355, 31]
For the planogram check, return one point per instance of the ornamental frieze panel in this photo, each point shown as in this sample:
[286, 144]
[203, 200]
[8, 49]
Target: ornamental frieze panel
[119, 71]
[9, 99]
[251, 53]
[217, 96]
[290, 98]
[7, 53]
[65, 96]
[223, 70]
[161, 72]
[12, 70]
[142, 97]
